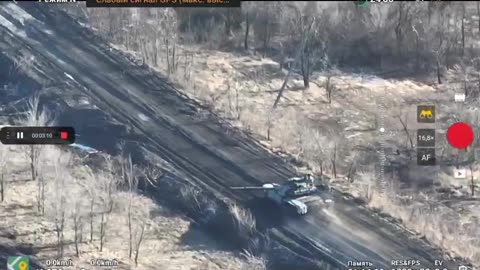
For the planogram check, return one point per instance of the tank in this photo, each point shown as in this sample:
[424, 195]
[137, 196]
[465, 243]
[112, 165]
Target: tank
[294, 193]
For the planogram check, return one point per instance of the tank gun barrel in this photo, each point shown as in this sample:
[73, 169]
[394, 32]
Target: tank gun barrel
[245, 188]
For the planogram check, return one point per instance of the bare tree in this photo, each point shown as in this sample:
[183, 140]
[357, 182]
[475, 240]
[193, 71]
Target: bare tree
[141, 218]
[462, 26]
[269, 121]
[58, 198]
[92, 189]
[233, 95]
[472, 179]
[131, 179]
[3, 163]
[77, 224]
[139, 240]
[266, 23]
[249, 14]
[366, 182]
[476, 69]
[473, 117]
[407, 134]
[34, 158]
[403, 11]
[306, 35]
[437, 57]
[464, 69]
[309, 54]
[108, 184]
[352, 167]
[329, 87]
[478, 15]
[35, 116]
[317, 148]
[231, 19]
[417, 47]
[322, 157]
[169, 24]
[79, 205]
[333, 160]
[439, 51]
[189, 58]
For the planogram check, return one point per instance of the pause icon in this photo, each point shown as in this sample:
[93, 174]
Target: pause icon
[19, 135]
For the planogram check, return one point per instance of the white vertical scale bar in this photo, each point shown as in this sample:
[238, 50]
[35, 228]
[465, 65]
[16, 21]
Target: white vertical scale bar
[381, 141]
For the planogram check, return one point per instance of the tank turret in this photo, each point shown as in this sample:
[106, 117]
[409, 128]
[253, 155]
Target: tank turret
[295, 192]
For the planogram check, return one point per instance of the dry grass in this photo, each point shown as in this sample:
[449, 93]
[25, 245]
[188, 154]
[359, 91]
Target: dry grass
[223, 217]
[35, 115]
[454, 227]
[23, 65]
[244, 221]
[455, 231]
[254, 262]
[205, 208]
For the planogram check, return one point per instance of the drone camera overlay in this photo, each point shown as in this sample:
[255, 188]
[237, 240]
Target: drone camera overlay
[239, 135]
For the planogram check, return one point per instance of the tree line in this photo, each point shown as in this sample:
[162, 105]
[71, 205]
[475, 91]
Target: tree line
[420, 35]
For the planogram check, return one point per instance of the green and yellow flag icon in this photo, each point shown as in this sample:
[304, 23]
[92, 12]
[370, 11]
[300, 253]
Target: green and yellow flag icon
[18, 263]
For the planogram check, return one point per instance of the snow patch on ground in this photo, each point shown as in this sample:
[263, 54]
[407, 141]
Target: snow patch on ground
[84, 101]
[49, 32]
[69, 76]
[143, 117]
[85, 148]
[86, 25]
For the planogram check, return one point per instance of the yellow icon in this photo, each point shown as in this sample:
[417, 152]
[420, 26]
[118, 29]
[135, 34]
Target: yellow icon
[426, 114]
[23, 265]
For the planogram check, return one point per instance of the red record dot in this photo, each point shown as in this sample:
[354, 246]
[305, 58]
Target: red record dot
[460, 135]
